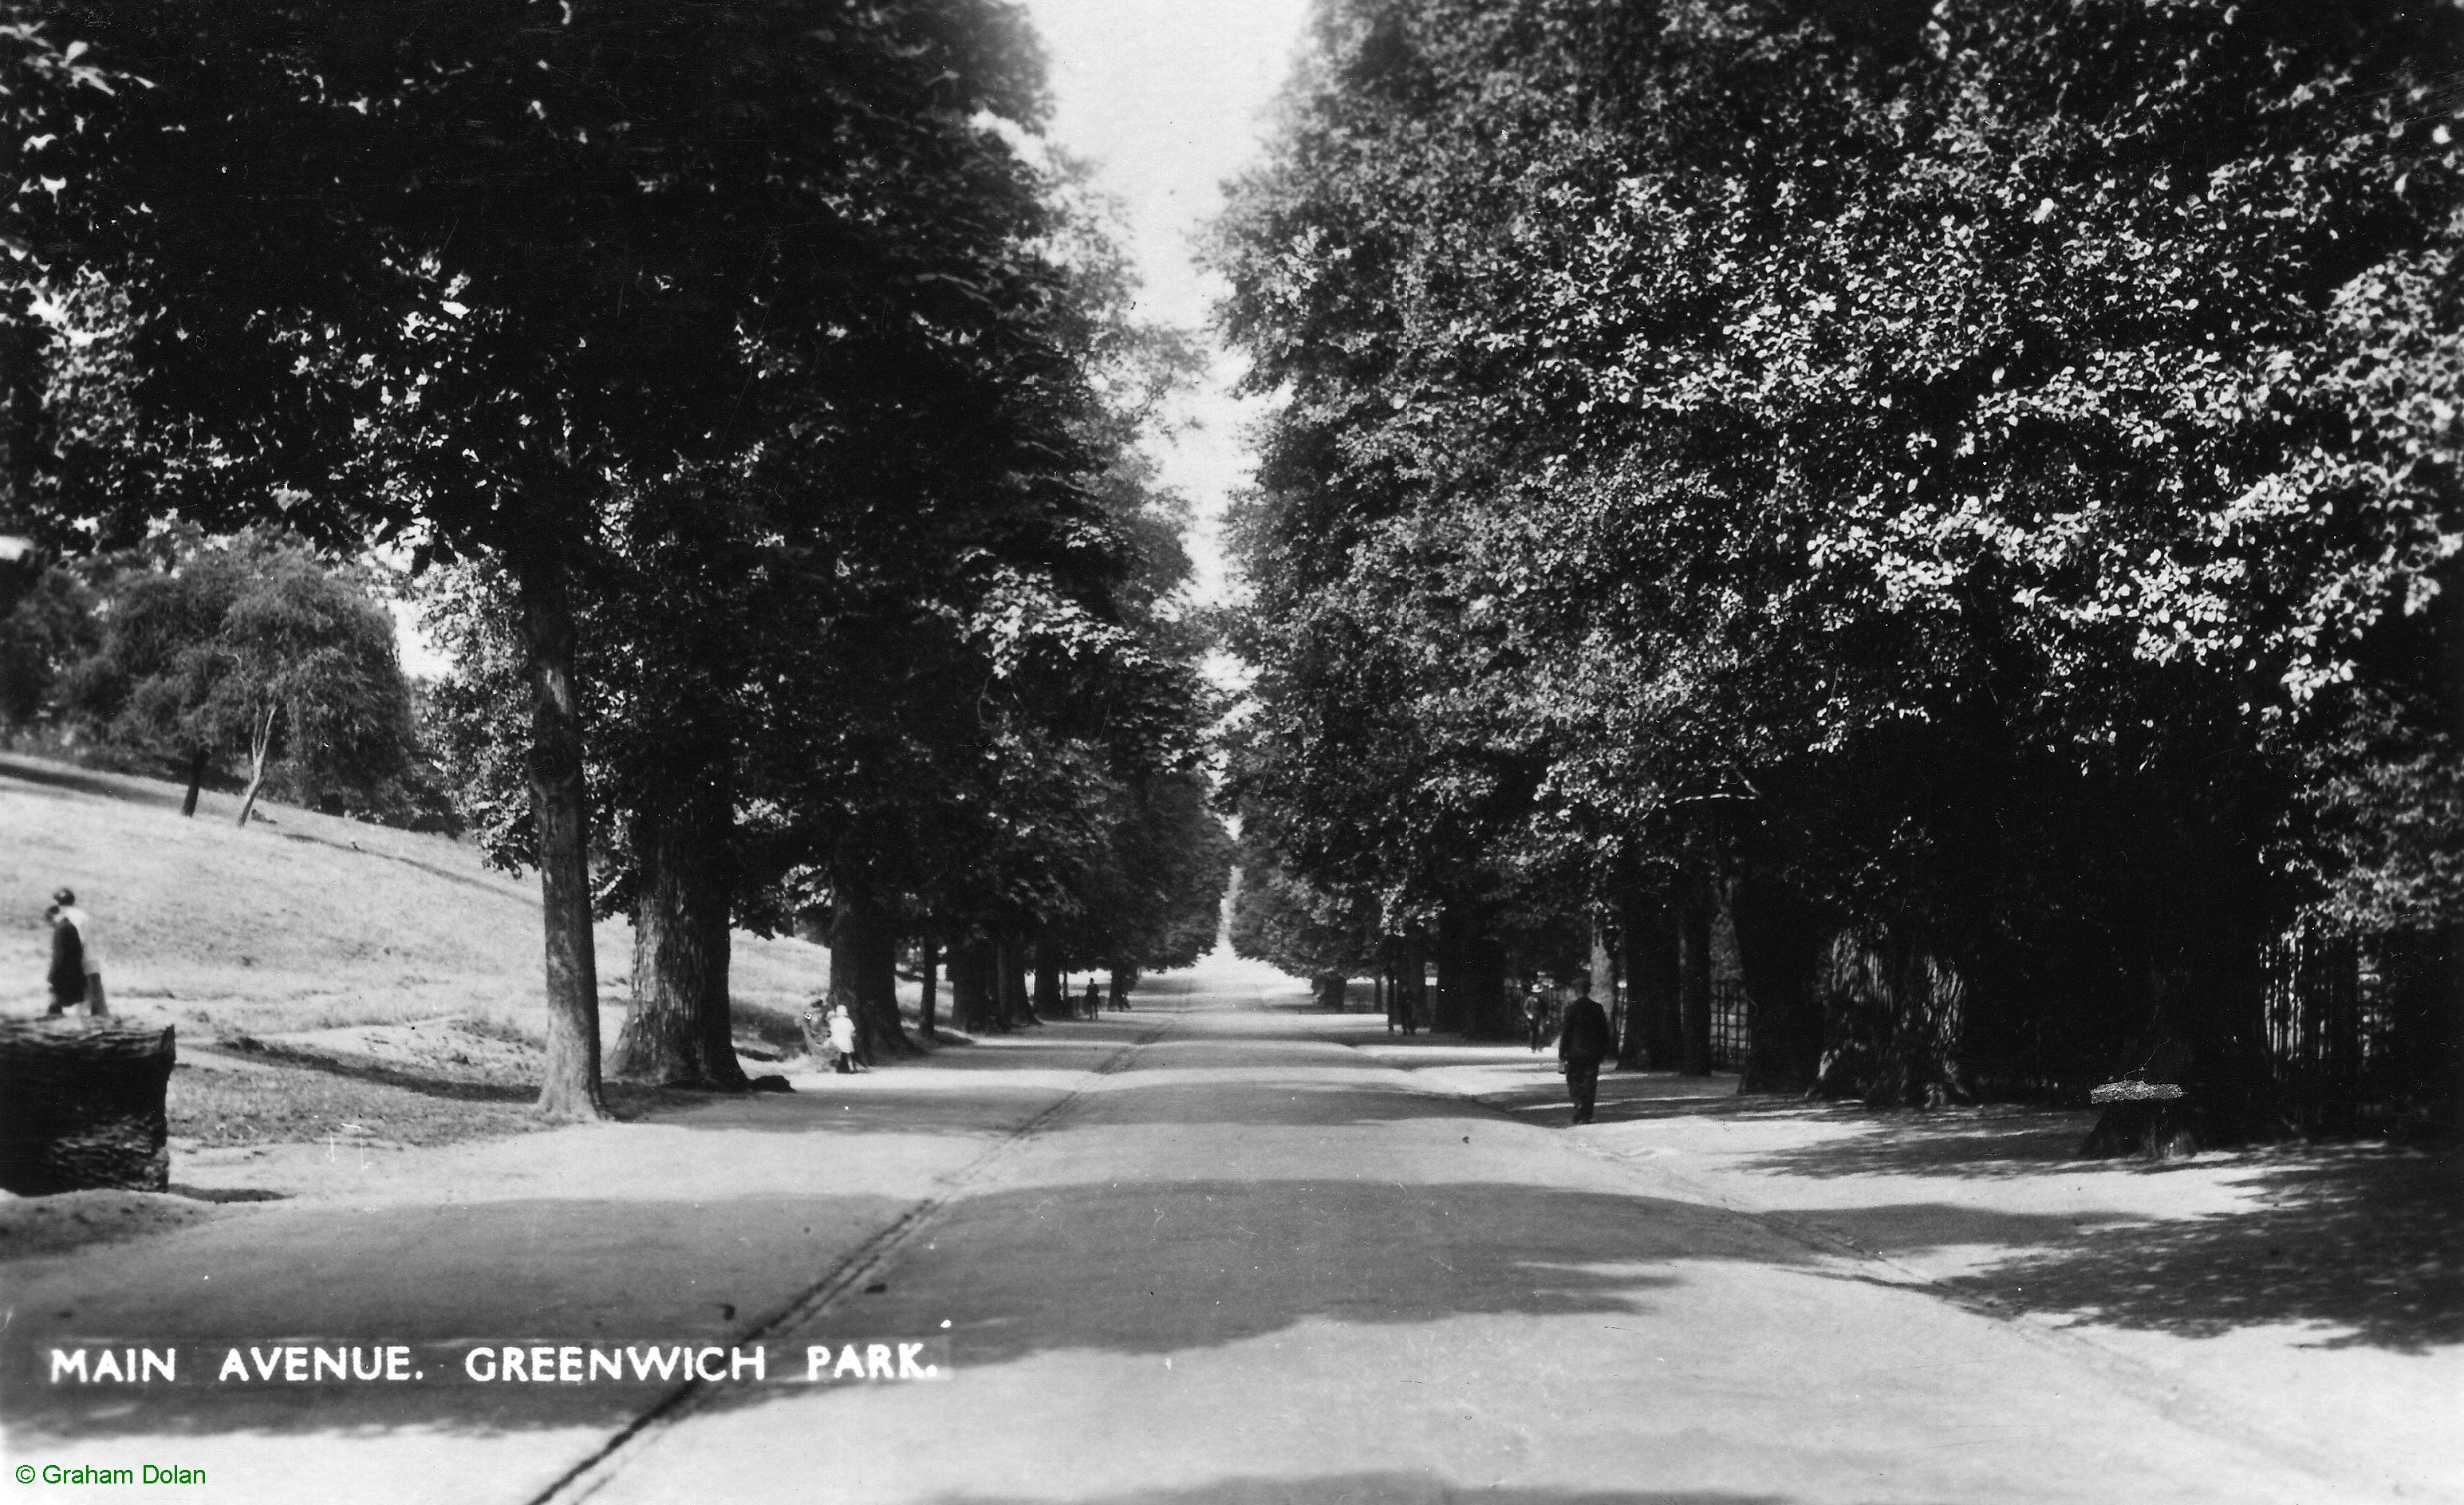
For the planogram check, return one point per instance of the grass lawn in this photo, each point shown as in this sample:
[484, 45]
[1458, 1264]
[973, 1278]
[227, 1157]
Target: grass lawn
[321, 971]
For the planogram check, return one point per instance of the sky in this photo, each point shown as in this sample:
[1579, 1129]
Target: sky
[1168, 98]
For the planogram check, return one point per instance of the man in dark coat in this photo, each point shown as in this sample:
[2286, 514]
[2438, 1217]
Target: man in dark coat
[1580, 1045]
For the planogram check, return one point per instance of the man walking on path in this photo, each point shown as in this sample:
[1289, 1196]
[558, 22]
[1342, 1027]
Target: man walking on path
[1580, 1045]
[77, 965]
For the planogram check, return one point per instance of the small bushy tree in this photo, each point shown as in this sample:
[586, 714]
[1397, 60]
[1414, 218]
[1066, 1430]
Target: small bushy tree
[249, 648]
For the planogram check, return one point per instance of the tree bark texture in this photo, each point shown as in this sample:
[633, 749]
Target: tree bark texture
[1454, 935]
[1050, 1002]
[2162, 1130]
[928, 964]
[1602, 967]
[1488, 1014]
[864, 971]
[1011, 975]
[82, 1106]
[1779, 951]
[680, 1031]
[1652, 975]
[1893, 1016]
[198, 760]
[560, 811]
[972, 1003]
[260, 743]
[1694, 986]
[1414, 976]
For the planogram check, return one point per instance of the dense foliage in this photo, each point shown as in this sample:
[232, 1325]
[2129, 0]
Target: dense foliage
[1989, 470]
[197, 654]
[770, 394]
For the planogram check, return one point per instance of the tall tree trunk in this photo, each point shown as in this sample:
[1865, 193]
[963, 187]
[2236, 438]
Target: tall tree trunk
[260, 746]
[1694, 985]
[1779, 951]
[864, 970]
[928, 962]
[1050, 1002]
[1011, 972]
[1123, 978]
[560, 811]
[1651, 969]
[1454, 927]
[971, 1004]
[1602, 968]
[1413, 974]
[1488, 1014]
[198, 760]
[679, 1031]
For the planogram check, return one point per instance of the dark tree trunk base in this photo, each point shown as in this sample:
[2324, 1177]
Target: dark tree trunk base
[2162, 1129]
[82, 1106]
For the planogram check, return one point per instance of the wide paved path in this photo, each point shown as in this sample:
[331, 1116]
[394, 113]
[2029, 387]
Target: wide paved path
[1248, 1263]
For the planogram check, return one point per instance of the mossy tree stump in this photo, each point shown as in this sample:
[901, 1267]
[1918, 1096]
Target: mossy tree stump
[2148, 1119]
[82, 1106]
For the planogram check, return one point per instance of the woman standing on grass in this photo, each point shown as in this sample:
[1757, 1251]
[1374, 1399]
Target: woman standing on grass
[67, 975]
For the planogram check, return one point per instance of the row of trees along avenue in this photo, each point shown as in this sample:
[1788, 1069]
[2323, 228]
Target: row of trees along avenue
[758, 403]
[1952, 505]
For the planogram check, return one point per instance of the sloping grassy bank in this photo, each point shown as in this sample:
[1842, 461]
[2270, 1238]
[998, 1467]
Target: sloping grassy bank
[327, 976]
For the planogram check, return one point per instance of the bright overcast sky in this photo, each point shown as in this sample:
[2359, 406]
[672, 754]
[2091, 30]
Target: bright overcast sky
[1169, 98]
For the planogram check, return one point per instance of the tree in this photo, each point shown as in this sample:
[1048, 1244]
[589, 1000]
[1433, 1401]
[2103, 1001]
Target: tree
[1285, 922]
[1939, 467]
[459, 276]
[250, 646]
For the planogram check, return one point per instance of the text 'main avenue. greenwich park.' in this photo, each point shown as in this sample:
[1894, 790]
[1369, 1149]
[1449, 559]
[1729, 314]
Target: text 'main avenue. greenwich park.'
[495, 1364]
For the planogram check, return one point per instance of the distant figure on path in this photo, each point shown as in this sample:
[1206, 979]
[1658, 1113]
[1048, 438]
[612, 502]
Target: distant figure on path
[842, 1040]
[1094, 1000]
[1535, 1016]
[77, 963]
[1583, 1042]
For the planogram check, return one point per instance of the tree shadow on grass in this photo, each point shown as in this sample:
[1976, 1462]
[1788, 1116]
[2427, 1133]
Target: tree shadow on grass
[361, 1068]
[102, 784]
[626, 1100]
[2366, 1245]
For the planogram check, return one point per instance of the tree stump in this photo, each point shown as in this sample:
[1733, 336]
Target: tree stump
[82, 1106]
[2148, 1119]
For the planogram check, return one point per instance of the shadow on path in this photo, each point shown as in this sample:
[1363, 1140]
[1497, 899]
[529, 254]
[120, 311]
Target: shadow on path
[2369, 1247]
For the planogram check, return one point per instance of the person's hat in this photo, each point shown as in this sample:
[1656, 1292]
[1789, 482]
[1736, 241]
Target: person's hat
[62, 896]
